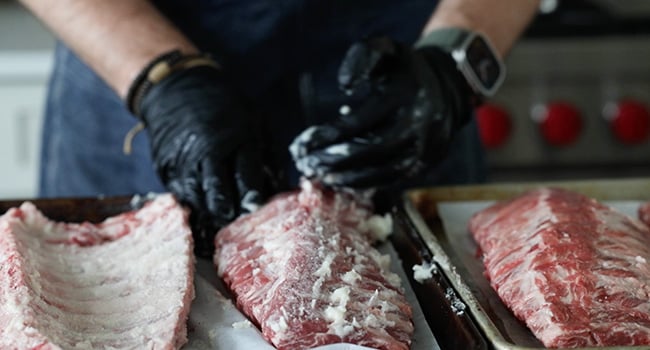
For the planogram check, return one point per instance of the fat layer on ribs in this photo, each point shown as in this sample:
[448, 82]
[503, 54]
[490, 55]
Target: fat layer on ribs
[125, 283]
[574, 270]
[303, 268]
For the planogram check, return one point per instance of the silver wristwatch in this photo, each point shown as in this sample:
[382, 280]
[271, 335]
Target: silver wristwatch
[475, 57]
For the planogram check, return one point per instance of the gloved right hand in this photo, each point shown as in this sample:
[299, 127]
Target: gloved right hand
[416, 101]
[206, 148]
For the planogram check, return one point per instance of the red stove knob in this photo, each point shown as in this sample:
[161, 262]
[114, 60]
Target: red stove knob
[560, 123]
[630, 122]
[494, 125]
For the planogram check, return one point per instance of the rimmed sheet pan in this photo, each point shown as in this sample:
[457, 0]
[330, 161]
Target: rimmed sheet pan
[451, 329]
[434, 211]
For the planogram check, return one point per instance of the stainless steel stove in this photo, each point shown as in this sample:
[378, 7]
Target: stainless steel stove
[576, 101]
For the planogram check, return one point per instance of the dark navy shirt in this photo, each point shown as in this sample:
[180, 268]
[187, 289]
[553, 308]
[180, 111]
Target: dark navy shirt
[282, 54]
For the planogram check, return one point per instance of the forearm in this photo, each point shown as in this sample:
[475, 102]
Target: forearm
[502, 21]
[116, 38]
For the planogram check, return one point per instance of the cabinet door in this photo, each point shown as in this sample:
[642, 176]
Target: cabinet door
[21, 109]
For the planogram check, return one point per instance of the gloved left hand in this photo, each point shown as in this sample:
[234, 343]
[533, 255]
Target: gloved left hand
[417, 100]
[207, 148]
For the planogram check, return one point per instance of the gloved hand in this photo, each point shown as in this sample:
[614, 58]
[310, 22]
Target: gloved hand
[417, 99]
[206, 149]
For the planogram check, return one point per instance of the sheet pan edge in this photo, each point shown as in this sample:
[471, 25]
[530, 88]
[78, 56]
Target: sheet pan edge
[600, 189]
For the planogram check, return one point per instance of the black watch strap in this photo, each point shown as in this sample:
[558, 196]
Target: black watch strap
[445, 38]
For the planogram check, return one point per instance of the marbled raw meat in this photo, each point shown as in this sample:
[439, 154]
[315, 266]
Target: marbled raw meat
[304, 270]
[125, 283]
[644, 213]
[574, 270]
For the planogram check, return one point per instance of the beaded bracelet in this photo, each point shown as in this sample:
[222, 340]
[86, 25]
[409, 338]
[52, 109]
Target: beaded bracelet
[158, 69]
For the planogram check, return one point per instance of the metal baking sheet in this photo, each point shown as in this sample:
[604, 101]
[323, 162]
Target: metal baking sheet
[452, 327]
[440, 324]
[456, 252]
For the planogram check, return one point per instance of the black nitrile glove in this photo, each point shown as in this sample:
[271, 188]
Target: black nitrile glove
[206, 149]
[417, 100]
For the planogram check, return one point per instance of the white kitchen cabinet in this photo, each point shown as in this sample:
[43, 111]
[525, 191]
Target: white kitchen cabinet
[26, 48]
[23, 85]
[21, 109]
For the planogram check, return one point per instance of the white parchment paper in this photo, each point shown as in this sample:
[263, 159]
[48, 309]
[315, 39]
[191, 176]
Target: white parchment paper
[216, 324]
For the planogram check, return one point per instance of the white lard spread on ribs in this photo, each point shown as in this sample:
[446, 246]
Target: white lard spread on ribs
[125, 283]
[303, 269]
[570, 267]
[424, 272]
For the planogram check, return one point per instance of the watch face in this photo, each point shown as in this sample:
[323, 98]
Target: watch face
[484, 64]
